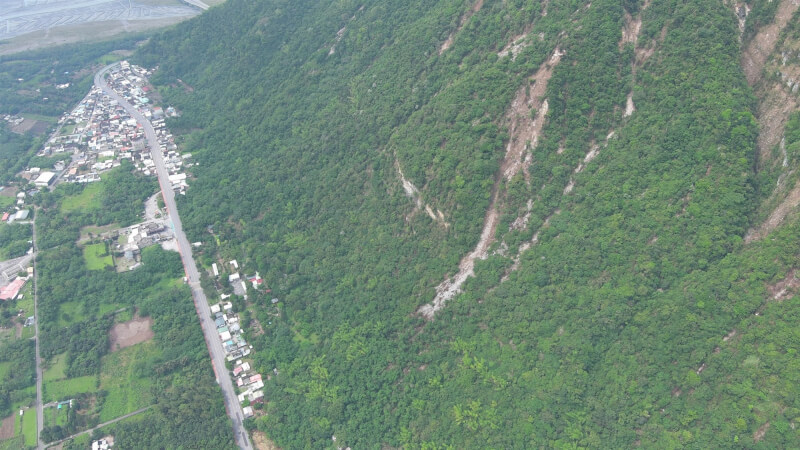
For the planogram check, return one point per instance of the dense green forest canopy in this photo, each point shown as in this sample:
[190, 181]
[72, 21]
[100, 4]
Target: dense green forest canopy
[617, 327]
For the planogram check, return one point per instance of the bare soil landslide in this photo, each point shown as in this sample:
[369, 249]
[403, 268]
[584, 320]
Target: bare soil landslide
[7, 427]
[777, 217]
[759, 434]
[524, 130]
[132, 332]
[630, 30]
[524, 133]
[773, 113]
[413, 193]
[449, 41]
[785, 288]
[758, 50]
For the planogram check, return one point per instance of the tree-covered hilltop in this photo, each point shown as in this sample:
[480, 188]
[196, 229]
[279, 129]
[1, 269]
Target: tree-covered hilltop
[600, 154]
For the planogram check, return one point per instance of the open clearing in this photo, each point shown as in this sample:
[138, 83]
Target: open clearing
[29, 427]
[7, 427]
[130, 333]
[65, 389]
[88, 199]
[97, 257]
[127, 391]
[56, 368]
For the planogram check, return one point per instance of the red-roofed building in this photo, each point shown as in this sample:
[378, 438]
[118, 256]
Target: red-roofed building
[11, 291]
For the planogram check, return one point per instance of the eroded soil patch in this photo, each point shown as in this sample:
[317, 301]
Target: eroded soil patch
[132, 332]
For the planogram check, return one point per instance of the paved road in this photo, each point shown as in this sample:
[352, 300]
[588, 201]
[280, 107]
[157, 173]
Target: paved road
[39, 408]
[193, 276]
[138, 411]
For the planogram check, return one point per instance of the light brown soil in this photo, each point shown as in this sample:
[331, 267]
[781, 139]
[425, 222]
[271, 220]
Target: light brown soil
[773, 113]
[24, 126]
[777, 217]
[763, 44]
[759, 434]
[413, 193]
[10, 191]
[523, 129]
[17, 330]
[7, 427]
[630, 30]
[785, 288]
[524, 133]
[261, 441]
[132, 332]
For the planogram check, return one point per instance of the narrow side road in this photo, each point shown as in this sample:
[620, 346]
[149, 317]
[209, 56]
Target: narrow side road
[138, 411]
[39, 402]
[213, 343]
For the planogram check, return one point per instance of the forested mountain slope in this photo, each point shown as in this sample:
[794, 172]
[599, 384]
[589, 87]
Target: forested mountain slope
[498, 223]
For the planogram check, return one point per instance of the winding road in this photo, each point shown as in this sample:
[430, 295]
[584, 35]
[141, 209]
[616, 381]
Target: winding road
[213, 343]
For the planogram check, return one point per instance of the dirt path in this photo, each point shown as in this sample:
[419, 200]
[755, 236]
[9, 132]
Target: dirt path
[524, 133]
[763, 44]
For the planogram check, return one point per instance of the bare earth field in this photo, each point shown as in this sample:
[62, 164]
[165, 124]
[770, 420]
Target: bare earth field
[132, 332]
[7, 427]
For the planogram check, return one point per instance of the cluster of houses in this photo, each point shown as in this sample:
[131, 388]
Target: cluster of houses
[249, 383]
[98, 133]
[12, 119]
[128, 242]
[130, 82]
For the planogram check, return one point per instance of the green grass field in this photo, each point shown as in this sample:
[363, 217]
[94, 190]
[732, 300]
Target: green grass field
[5, 202]
[14, 443]
[88, 199]
[55, 368]
[96, 257]
[5, 367]
[70, 312]
[29, 427]
[6, 335]
[48, 119]
[56, 390]
[26, 303]
[54, 416]
[127, 392]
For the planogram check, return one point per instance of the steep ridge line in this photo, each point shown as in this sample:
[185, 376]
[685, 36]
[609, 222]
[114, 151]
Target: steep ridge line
[463, 21]
[524, 134]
